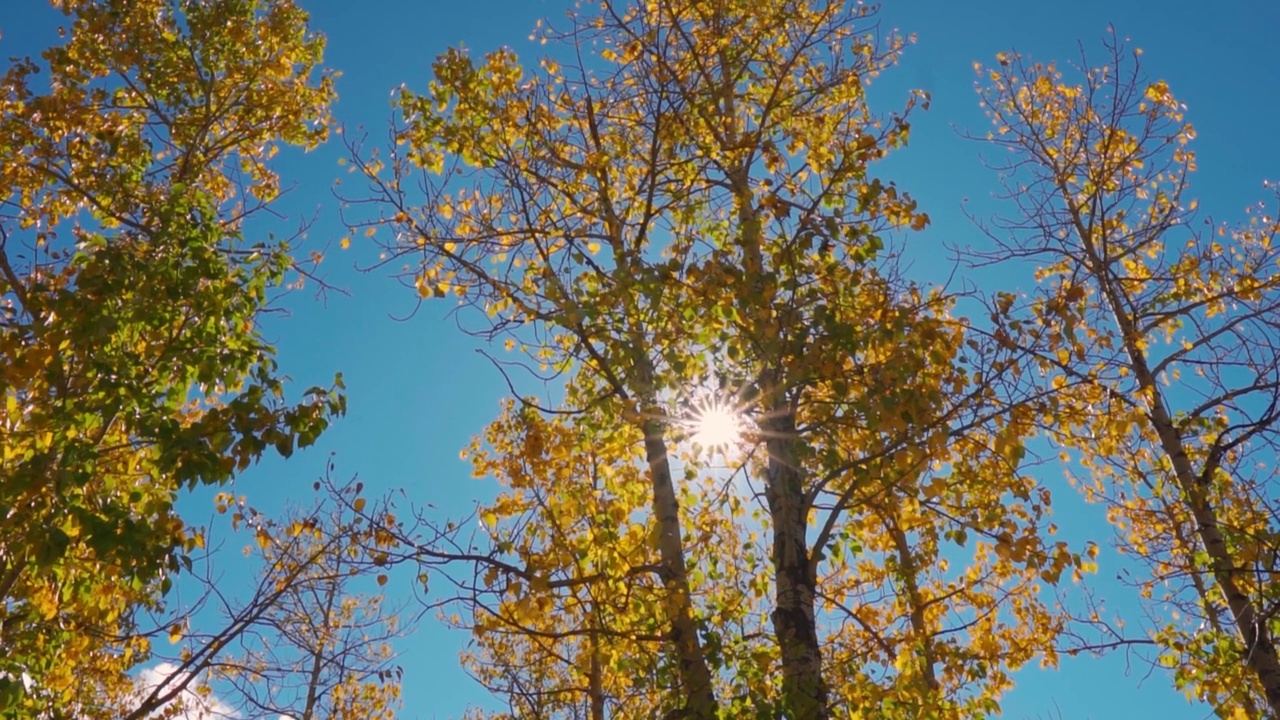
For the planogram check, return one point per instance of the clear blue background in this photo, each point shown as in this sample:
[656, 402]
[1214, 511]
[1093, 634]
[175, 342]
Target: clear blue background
[418, 390]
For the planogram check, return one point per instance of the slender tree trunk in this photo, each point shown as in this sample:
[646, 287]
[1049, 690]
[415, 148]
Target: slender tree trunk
[910, 578]
[795, 586]
[803, 687]
[695, 677]
[317, 658]
[1214, 614]
[1259, 646]
[596, 689]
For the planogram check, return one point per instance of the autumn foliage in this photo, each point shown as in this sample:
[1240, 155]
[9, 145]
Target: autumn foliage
[694, 211]
[1157, 332]
[675, 213]
[132, 156]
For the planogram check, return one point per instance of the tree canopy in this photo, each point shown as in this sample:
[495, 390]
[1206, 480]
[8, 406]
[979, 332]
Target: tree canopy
[751, 464]
[131, 362]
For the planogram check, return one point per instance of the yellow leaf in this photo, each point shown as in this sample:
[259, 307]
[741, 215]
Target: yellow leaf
[358, 505]
[344, 243]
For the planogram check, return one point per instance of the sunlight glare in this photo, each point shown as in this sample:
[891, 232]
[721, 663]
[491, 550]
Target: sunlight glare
[715, 424]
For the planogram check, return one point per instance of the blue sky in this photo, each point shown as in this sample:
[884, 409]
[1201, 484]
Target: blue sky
[418, 390]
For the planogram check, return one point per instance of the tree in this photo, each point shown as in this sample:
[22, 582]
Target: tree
[309, 641]
[1160, 339]
[131, 366]
[679, 199]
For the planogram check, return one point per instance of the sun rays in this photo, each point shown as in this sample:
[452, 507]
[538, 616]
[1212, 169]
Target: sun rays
[715, 424]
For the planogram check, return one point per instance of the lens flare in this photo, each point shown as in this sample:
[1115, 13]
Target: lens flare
[715, 424]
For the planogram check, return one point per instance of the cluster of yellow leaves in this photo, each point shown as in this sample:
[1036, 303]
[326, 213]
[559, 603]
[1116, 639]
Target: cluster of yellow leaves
[582, 604]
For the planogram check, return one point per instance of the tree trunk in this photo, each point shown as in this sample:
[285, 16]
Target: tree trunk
[698, 693]
[595, 686]
[803, 688]
[1259, 646]
[909, 576]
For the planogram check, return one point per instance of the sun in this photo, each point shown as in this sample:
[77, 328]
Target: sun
[715, 424]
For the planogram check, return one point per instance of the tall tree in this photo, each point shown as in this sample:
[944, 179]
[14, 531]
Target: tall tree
[1160, 336]
[679, 199]
[131, 365]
